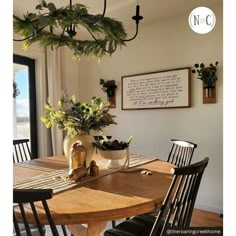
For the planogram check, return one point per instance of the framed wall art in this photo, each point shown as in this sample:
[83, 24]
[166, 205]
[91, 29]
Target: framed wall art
[155, 90]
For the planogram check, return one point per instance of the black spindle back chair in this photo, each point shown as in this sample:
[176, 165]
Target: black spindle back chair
[181, 152]
[22, 153]
[177, 207]
[24, 200]
[21, 150]
[180, 155]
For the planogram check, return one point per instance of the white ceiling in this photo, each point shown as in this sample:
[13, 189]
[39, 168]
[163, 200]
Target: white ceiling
[123, 10]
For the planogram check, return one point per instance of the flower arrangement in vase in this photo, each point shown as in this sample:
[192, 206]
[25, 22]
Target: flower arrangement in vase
[78, 119]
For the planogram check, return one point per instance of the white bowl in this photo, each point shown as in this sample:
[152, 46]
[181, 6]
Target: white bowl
[113, 156]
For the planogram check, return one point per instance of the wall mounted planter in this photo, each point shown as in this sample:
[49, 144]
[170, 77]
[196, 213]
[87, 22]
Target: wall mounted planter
[209, 95]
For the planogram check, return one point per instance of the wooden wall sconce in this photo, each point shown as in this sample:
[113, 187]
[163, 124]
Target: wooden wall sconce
[209, 95]
[109, 87]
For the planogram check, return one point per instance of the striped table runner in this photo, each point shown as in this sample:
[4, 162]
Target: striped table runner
[56, 179]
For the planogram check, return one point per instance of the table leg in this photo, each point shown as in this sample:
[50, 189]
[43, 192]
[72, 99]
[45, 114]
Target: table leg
[90, 229]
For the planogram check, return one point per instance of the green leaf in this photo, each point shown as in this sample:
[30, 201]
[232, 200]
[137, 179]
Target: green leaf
[43, 20]
[202, 65]
[39, 7]
[102, 81]
[43, 2]
[51, 7]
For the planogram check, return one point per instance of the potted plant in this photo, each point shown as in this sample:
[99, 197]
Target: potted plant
[109, 87]
[207, 75]
[78, 119]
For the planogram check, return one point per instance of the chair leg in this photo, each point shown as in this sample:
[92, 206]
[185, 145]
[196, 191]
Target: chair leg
[64, 230]
[113, 222]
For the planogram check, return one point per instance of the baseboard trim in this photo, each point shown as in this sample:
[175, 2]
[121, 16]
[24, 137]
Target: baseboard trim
[209, 208]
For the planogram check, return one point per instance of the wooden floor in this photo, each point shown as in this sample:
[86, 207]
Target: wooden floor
[206, 218]
[200, 219]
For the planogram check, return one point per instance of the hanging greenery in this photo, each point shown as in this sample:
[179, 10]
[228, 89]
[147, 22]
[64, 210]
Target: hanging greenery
[43, 27]
[16, 91]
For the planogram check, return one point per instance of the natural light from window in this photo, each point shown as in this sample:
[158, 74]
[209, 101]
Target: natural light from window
[21, 121]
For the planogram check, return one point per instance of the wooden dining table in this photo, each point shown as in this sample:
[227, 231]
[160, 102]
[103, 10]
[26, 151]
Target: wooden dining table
[87, 207]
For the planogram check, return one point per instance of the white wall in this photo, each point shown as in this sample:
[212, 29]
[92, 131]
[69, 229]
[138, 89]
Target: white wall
[168, 44]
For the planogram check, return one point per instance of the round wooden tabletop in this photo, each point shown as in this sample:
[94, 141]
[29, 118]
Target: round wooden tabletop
[115, 196]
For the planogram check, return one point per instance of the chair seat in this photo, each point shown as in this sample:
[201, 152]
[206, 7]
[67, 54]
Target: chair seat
[138, 226]
[33, 229]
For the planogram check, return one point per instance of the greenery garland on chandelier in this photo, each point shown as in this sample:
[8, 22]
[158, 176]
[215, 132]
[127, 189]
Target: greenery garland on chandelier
[107, 33]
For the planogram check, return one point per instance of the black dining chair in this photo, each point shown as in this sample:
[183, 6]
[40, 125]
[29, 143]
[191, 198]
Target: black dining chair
[21, 152]
[176, 209]
[24, 200]
[181, 152]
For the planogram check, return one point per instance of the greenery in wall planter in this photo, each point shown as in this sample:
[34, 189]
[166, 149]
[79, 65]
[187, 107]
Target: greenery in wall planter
[206, 74]
[109, 87]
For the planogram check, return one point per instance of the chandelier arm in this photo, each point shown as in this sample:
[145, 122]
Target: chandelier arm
[33, 28]
[126, 40]
[31, 36]
[20, 40]
[32, 21]
[103, 15]
[114, 49]
[17, 18]
[63, 31]
[91, 34]
[61, 37]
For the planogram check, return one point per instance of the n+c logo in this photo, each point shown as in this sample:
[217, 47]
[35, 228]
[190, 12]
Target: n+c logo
[202, 20]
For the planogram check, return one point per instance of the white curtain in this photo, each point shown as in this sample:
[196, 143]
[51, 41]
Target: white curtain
[54, 91]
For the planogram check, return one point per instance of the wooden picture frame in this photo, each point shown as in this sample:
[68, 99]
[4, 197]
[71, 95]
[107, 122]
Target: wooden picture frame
[156, 90]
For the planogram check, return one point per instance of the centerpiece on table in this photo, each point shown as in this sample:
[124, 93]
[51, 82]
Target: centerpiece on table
[113, 150]
[78, 119]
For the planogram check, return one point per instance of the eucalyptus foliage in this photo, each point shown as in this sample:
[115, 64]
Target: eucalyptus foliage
[76, 117]
[108, 87]
[16, 91]
[206, 74]
[42, 27]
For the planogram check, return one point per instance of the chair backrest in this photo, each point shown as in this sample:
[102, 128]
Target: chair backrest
[177, 208]
[181, 152]
[21, 150]
[25, 200]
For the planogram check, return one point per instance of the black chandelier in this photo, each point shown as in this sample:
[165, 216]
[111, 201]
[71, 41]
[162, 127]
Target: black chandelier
[107, 33]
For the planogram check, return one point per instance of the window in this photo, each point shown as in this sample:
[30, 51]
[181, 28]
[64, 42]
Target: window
[24, 104]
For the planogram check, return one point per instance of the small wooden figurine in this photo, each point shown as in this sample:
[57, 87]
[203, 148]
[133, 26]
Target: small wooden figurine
[93, 169]
[77, 174]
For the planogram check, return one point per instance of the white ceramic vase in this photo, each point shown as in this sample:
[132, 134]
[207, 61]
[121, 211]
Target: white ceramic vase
[85, 141]
[115, 158]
